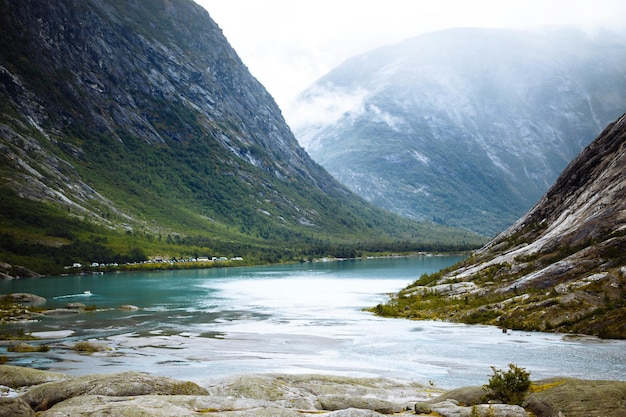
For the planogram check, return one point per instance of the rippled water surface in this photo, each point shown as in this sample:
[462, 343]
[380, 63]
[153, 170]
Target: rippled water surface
[304, 318]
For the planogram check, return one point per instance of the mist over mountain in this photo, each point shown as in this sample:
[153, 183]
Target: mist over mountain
[465, 127]
[130, 129]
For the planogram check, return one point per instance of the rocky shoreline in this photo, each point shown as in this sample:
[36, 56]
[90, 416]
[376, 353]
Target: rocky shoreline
[28, 392]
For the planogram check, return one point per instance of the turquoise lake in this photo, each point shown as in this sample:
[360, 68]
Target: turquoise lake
[301, 318]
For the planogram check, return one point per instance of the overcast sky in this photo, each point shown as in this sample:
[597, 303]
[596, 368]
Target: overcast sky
[288, 44]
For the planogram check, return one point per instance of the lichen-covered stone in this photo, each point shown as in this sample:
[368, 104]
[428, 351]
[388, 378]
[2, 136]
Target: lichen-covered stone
[44, 396]
[470, 395]
[15, 407]
[422, 408]
[556, 397]
[449, 408]
[23, 298]
[18, 376]
[161, 406]
[340, 402]
[324, 392]
[90, 347]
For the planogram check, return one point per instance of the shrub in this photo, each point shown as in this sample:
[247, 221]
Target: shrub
[509, 386]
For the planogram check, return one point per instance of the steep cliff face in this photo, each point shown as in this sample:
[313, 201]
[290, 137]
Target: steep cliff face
[139, 116]
[161, 72]
[467, 127]
[562, 266]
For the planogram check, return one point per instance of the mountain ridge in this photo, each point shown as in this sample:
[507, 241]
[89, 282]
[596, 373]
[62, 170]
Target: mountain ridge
[140, 119]
[465, 127]
[560, 267]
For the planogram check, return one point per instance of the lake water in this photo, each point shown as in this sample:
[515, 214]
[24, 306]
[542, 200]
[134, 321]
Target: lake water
[304, 318]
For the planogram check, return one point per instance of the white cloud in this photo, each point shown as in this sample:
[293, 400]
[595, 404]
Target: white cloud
[324, 106]
[382, 116]
[289, 44]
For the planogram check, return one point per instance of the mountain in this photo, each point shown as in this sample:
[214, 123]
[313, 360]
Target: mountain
[561, 267]
[132, 129]
[465, 127]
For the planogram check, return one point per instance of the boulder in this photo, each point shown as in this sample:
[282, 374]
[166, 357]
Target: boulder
[422, 408]
[23, 298]
[5, 276]
[90, 347]
[26, 348]
[75, 306]
[44, 396]
[15, 407]
[450, 408]
[129, 307]
[340, 402]
[323, 392]
[18, 376]
[353, 412]
[162, 406]
[61, 312]
[557, 397]
[470, 395]
[22, 272]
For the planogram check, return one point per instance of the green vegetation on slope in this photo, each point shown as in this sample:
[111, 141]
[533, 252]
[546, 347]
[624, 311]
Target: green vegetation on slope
[144, 136]
[564, 304]
[46, 239]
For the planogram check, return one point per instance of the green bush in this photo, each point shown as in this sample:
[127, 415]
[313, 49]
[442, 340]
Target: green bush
[509, 386]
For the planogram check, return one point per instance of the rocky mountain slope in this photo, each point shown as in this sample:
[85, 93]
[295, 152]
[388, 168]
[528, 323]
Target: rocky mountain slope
[466, 127]
[561, 267]
[138, 118]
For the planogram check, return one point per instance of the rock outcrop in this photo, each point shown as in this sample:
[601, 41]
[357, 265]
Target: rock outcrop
[278, 395]
[22, 299]
[15, 407]
[561, 267]
[126, 384]
[557, 397]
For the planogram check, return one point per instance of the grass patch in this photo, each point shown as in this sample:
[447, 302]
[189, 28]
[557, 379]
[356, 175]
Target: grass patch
[544, 387]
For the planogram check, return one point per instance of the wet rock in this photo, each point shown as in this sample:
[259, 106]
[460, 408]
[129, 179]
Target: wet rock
[558, 397]
[15, 407]
[61, 312]
[25, 347]
[44, 396]
[18, 376]
[4, 276]
[22, 272]
[75, 306]
[129, 307]
[90, 347]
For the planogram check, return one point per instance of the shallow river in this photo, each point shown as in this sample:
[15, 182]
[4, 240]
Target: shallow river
[304, 318]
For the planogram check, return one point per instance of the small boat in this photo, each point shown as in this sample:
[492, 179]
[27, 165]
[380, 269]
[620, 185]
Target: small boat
[87, 293]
